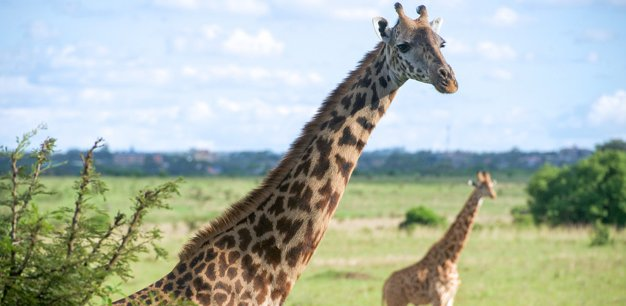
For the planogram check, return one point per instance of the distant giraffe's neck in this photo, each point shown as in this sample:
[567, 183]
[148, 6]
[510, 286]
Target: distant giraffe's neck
[256, 251]
[452, 243]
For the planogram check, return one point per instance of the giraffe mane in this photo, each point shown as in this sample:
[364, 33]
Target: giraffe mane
[250, 202]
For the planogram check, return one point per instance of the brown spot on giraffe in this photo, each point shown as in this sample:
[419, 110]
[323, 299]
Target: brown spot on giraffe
[345, 167]
[257, 249]
[365, 124]
[347, 138]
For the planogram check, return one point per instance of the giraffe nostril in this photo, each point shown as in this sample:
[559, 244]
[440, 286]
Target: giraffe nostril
[444, 73]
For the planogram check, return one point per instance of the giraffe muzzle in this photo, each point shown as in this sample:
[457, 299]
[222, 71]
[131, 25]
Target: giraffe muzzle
[445, 81]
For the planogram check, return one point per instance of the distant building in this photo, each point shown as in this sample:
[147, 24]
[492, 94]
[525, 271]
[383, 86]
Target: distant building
[126, 159]
[158, 159]
[203, 156]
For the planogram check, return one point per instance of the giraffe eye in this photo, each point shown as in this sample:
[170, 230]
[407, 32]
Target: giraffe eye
[404, 47]
[442, 42]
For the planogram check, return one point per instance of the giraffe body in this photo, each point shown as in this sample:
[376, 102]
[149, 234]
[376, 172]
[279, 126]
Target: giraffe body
[255, 252]
[435, 278]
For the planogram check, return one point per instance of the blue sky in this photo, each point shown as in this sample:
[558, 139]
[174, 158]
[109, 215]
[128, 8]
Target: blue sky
[170, 75]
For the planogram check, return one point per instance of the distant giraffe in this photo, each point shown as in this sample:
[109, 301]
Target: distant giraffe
[435, 279]
[255, 252]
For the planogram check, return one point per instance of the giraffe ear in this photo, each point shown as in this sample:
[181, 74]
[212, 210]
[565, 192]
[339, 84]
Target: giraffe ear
[381, 28]
[436, 24]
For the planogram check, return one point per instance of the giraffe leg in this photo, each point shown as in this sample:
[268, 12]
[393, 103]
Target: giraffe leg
[445, 298]
[450, 302]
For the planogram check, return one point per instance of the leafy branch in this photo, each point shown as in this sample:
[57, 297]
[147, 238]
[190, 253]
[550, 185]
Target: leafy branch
[43, 261]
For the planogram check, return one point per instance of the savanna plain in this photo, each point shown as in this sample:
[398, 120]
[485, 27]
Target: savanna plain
[502, 264]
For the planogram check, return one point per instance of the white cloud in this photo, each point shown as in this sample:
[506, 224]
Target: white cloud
[150, 115]
[200, 39]
[593, 57]
[180, 43]
[210, 31]
[200, 110]
[95, 95]
[456, 46]
[504, 16]
[35, 115]
[558, 2]
[159, 75]
[189, 71]
[354, 13]
[19, 90]
[229, 105]
[570, 2]
[486, 49]
[262, 110]
[500, 74]
[261, 44]
[496, 52]
[609, 109]
[246, 7]
[182, 4]
[135, 75]
[256, 74]
[80, 56]
[41, 30]
[529, 56]
[21, 84]
[597, 35]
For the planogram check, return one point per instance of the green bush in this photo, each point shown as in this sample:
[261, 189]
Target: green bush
[600, 234]
[63, 256]
[421, 216]
[521, 216]
[593, 189]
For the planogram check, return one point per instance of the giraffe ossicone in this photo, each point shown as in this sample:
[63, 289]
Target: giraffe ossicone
[257, 249]
[435, 279]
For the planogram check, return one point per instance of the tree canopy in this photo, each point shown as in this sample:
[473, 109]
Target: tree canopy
[594, 189]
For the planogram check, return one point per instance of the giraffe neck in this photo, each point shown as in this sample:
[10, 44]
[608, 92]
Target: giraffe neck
[453, 241]
[311, 190]
[263, 243]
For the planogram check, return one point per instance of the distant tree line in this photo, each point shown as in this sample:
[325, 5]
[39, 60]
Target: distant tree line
[391, 162]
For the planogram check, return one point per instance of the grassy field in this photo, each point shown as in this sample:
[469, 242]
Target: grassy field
[502, 264]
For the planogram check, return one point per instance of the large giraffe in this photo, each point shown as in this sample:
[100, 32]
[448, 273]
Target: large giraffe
[435, 279]
[255, 252]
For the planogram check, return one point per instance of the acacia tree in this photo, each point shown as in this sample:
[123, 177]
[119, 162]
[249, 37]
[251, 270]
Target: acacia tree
[63, 256]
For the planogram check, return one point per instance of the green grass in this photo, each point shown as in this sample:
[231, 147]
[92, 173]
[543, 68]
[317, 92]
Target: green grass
[502, 264]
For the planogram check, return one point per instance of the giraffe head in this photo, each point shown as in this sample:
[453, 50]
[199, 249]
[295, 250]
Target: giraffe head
[484, 184]
[415, 49]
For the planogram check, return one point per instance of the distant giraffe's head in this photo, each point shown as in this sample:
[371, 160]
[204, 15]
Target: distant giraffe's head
[415, 49]
[484, 184]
